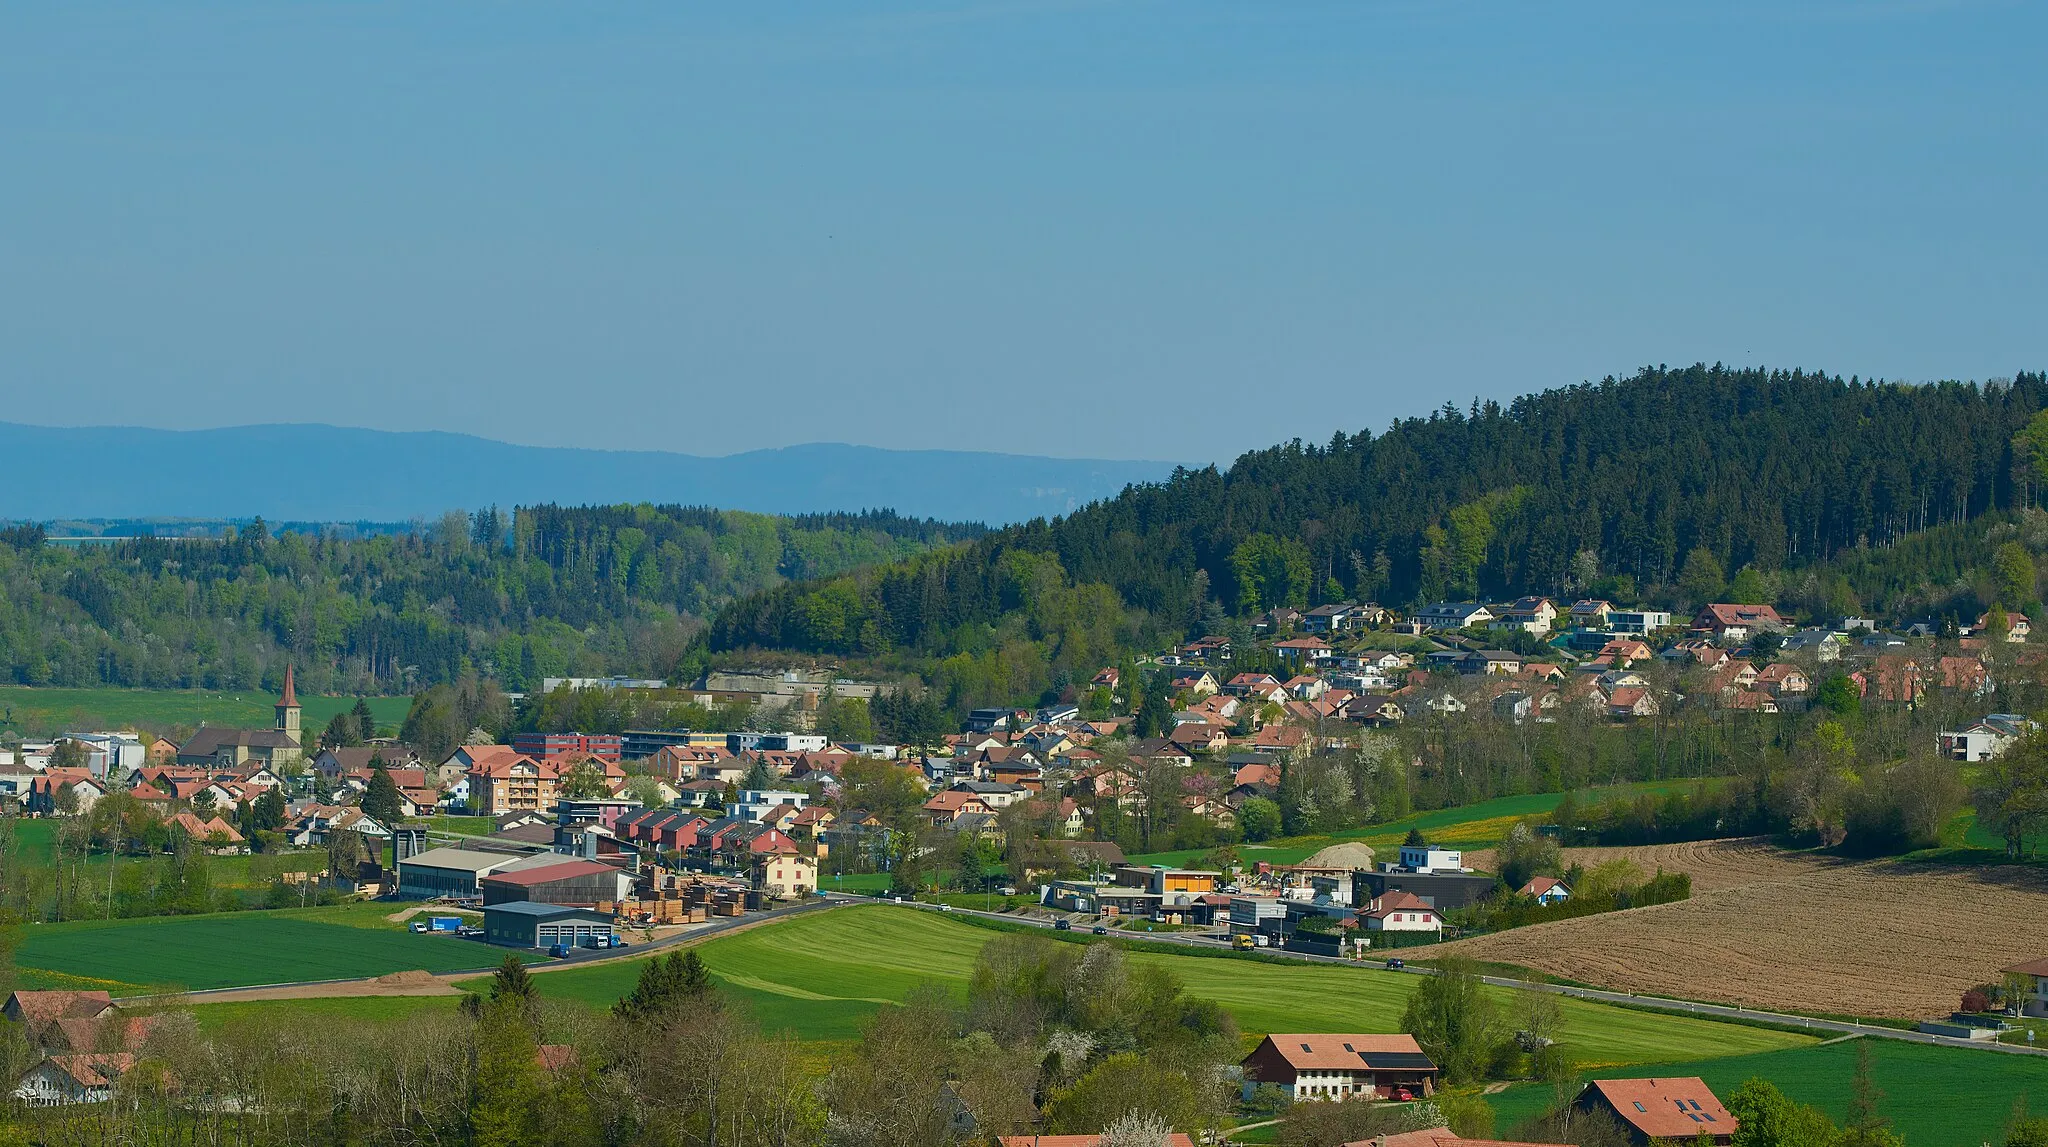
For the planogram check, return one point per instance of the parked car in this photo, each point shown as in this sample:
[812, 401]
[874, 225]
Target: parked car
[558, 951]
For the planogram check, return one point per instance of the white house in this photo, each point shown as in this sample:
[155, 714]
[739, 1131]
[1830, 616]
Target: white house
[2036, 1003]
[1424, 858]
[1637, 621]
[1546, 890]
[1452, 615]
[1397, 911]
[66, 1079]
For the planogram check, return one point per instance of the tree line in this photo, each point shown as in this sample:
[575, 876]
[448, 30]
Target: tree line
[545, 591]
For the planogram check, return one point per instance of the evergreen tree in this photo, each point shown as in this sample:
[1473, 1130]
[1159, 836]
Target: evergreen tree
[366, 722]
[381, 801]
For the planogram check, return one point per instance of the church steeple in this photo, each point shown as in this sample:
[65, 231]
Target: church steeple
[288, 707]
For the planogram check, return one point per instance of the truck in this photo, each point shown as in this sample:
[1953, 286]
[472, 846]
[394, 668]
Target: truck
[1242, 942]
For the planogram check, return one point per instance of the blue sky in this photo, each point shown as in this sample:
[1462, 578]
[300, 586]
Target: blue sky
[1148, 230]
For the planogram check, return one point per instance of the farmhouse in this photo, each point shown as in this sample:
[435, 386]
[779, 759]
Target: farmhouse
[1679, 1110]
[40, 1012]
[67, 1079]
[526, 924]
[1342, 1066]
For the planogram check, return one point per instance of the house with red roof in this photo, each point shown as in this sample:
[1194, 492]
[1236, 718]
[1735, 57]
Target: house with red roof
[1546, 890]
[1678, 1110]
[1339, 1067]
[1733, 624]
[1397, 911]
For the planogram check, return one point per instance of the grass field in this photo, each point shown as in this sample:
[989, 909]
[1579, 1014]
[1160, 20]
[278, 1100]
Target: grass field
[1934, 1096]
[821, 975]
[1479, 825]
[235, 949]
[34, 712]
[249, 873]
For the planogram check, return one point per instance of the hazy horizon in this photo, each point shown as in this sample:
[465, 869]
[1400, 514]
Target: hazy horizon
[1056, 228]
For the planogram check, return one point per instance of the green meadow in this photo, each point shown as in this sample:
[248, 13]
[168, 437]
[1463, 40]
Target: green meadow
[234, 949]
[1934, 1096]
[35, 711]
[821, 975]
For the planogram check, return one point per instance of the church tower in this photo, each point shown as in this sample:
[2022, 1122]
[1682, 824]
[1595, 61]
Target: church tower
[288, 708]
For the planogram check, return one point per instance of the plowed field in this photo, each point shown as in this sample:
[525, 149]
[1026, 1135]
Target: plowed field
[1772, 929]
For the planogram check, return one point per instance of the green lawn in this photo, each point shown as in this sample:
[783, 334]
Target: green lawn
[1934, 1096]
[820, 975]
[36, 712]
[308, 1014]
[1472, 826]
[38, 848]
[235, 949]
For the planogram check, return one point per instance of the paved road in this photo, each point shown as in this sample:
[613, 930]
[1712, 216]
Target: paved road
[1685, 1007]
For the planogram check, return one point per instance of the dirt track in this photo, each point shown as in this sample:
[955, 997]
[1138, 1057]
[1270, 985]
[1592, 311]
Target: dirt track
[1772, 929]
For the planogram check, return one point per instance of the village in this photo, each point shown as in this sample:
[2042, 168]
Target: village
[579, 843]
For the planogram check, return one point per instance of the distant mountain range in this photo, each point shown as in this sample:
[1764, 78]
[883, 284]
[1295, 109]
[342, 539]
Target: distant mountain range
[330, 473]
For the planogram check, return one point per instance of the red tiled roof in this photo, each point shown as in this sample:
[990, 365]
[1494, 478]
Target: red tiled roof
[1338, 1052]
[1677, 1108]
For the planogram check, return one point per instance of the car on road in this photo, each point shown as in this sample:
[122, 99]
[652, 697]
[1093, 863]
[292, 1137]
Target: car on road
[558, 951]
[1063, 925]
[943, 907]
[1396, 964]
[1099, 930]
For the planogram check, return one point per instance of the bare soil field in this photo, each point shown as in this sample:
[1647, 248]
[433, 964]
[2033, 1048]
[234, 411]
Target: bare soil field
[1774, 929]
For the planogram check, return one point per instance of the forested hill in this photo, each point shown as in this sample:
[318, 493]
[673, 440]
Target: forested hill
[1624, 479]
[550, 590]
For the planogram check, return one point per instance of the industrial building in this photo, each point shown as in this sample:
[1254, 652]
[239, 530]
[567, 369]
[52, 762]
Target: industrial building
[526, 924]
[562, 880]
[455, 872]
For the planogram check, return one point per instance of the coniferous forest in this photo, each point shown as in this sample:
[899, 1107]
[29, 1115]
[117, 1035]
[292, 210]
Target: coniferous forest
[1824, 494]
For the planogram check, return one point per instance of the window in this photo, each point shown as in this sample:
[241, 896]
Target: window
[1641, 1108]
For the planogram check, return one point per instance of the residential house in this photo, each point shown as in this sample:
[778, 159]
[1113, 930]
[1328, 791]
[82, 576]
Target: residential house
[1546, 890]
[1278, 620]
[1892, 677]
[1340, 1067]
[1733, 624]
[1445, 615]
[1631, 701]
[1680, 1110]
[1302, 650]
[2017, 627]
[1514, 705]
[53, 789]
[1524, 615]
[944, 807]
[1637, 621]
[1396, 911]
[1376, 709]
[1213, 648]
[1985, 739]
[2035, 1003]
[66, 1079]
[782, 874]
[39, 1012]
[1196, 681]
[333, 764]
[1783, 680]
[1962, 674]
[1591, 613]
[1826, 645]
